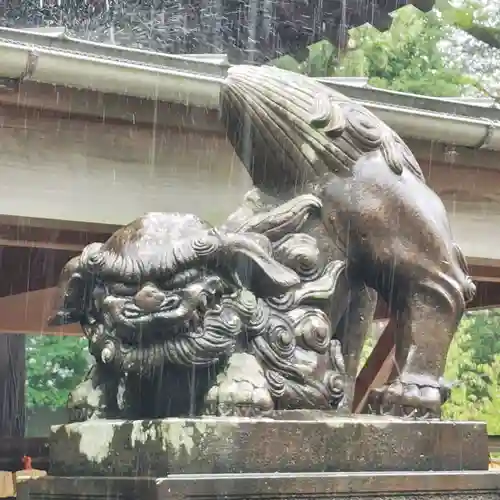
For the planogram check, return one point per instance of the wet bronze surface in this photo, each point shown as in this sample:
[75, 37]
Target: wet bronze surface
[270, 309]
[234, 320]
[258, 325]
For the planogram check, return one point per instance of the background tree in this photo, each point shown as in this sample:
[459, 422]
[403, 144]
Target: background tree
[474, 363]
[478, 18]
[55, 365]
[475, 41]
[408, 57]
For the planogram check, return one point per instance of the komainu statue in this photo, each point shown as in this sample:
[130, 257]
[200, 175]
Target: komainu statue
[270, 309]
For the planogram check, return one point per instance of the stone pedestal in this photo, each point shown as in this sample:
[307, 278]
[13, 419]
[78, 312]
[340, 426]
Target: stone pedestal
[295, 454]
[329, 486]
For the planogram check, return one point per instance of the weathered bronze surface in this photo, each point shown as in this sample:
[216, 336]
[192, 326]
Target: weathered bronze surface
[270, 310]
[265, 317]
[185, 319]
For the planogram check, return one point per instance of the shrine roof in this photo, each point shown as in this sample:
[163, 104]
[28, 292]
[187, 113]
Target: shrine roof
[50, 56]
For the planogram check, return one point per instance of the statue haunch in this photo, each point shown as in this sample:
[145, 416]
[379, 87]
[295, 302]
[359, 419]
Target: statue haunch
[296, 135]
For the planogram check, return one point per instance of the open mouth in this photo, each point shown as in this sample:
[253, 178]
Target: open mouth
[200, 330]
[134, 326]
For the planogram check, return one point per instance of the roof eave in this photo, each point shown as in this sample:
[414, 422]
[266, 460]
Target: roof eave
[195, 81]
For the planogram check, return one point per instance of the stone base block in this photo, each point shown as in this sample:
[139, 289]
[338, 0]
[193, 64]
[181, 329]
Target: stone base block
[295, 442]
[338, 486]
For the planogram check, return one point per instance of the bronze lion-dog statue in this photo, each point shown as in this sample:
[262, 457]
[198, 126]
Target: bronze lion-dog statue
[270, 310]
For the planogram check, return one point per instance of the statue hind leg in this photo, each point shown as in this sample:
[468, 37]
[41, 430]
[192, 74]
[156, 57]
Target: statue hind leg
[428, 316]
[427, 304]
[397, 239]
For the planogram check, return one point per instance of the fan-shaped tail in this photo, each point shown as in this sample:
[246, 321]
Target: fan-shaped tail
[290, 130]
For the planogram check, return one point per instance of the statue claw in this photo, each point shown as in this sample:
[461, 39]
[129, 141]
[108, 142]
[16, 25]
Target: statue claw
[410, 397]
[238, 400]
[240, 393]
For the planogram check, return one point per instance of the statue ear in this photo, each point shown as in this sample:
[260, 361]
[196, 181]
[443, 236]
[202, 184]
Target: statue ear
[69, 304]
[284, 219]
[255, 268]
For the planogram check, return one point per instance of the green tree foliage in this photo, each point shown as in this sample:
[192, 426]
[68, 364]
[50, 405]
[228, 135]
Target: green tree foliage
[406, 58]
[465, 406]
[451, 51]
[474, 363]
[55, 365]
[480, 339]
[474, 42]
[479, 19]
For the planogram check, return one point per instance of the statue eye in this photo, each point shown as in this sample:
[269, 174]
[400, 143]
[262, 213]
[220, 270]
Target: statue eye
[181, 279]
[172, 302]
[123, 289]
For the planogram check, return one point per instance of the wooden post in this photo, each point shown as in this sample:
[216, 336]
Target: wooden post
[378, 367]
[12, 385]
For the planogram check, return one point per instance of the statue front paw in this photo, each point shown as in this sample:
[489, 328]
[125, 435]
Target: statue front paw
[84, 404]
[242, 390]
[91, 398]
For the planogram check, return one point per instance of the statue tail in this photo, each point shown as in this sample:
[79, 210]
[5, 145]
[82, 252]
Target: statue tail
[291, 131]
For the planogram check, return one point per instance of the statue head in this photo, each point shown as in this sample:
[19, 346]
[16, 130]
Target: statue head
[165, 276]
[169, 290]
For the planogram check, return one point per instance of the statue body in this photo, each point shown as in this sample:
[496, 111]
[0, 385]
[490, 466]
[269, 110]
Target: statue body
[378, 212]
[270, 310]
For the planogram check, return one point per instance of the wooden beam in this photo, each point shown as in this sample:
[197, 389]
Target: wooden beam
[27, 314]
[52, 238]
[58, 102]
[27, 269]
[484, 272]
[40, 244]
[488, 295]
[377, 368]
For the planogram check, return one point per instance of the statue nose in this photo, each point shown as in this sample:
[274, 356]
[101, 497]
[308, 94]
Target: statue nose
[149, 298]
